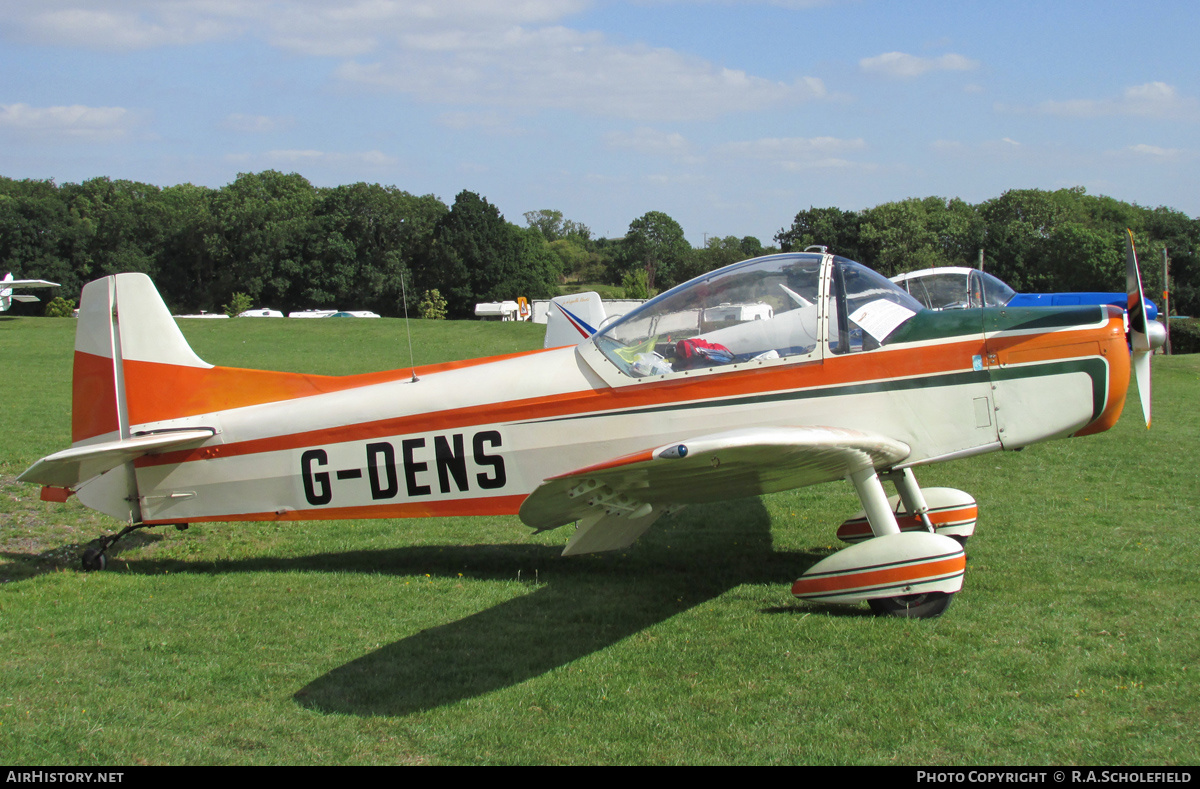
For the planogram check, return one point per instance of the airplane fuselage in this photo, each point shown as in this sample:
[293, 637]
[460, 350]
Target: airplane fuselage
[477, 438]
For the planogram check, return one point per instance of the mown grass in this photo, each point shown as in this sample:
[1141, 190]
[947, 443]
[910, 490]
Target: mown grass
[462, 641]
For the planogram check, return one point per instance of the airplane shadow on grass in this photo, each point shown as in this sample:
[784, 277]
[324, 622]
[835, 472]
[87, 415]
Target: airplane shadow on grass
[591, 603]
[582, 604]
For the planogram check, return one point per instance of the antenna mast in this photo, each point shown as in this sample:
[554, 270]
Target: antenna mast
[408, 330]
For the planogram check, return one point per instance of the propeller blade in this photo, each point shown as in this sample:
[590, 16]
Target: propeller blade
[1141, 371]
[1136, 304]
[1139, 340]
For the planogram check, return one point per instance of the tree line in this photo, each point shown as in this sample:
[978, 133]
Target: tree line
[289, 245]
[1036, 241]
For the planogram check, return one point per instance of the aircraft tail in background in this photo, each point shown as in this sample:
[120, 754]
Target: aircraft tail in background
[7, 297]
[573, 319]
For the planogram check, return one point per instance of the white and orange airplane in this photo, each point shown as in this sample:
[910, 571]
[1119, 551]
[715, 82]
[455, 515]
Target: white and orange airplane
[769, 374]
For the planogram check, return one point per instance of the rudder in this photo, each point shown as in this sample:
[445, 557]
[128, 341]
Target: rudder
[123, 324]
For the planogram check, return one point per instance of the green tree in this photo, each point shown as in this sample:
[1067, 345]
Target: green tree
[547, 222]
[656, 243]
[829, 227]
[634, 284]
[717, 253]
[751, 247]
[1179, 234]
[432, 306]
[261, 225]
[117, 226]
[478, 256]
[366, 239]
[35, 233]
[573, 259]
[1019, 223]
[58, 307]
[238, 303]
[186, 271]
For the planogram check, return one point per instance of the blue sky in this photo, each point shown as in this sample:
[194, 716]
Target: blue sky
[728, 116]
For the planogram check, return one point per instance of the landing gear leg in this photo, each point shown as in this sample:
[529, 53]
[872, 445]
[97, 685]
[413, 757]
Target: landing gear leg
[875, 502]
[93, 557]
[925, 605]
[913, 498]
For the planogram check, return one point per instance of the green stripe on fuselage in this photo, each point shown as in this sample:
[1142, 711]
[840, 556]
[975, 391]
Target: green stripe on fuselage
[946, 324]
[1094, 368]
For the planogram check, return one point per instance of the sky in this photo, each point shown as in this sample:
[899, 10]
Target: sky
[729, 116]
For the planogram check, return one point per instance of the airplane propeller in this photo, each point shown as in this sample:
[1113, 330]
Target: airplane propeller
[1144, 335]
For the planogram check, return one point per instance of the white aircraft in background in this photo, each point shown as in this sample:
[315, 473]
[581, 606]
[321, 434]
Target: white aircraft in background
[7, 297]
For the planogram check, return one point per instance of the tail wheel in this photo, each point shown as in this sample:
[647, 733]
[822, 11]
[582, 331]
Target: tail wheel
[94, 559]
[912, 606]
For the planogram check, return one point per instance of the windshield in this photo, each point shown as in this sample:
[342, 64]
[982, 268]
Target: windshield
[757, 310]
[994, 292]
[957, 289]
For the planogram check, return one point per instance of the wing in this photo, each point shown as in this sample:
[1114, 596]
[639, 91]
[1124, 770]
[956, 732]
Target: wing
[616, 501]
[28, 283]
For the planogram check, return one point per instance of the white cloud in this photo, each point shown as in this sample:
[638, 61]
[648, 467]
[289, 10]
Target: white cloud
[560, 68]
[303, 156]
[257, 124]
[516, 55]
[75, 122]
[338, 28]
[1154, 153]
[1151, 100]
[988, 149]
[490, 122]
[901, 65]
[796, 154]
[1154, 150]
[115, 25]
[649, 141]
[776, 148]
[306, 157]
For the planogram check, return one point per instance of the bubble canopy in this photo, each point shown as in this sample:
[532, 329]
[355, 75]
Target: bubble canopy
[777, 307]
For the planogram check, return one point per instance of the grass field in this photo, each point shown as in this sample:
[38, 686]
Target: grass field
[467, 641]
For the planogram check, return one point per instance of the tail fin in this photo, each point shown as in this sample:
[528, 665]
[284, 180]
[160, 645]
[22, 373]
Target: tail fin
[138, 388]
[124, 326]
[135, 373]
[572, 319]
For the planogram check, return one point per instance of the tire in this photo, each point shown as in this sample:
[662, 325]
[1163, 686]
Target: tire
[93, 559]
[912, 606]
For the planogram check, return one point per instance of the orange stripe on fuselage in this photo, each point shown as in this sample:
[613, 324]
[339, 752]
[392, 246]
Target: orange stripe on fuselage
[836, 371]
[158, 392]
[491, 505]
[953, 356]
[1116, 351]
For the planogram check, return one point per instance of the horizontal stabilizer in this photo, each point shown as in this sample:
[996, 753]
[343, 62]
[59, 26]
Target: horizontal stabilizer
[69, 468]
